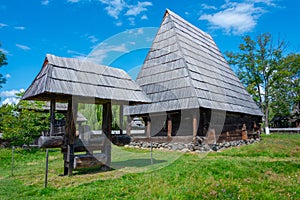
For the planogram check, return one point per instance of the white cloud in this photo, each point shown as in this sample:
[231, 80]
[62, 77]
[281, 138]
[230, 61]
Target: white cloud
[7, 75]
[119, 23]
[23, 47]
[45, 2]
[4, 51]
[93, 38]
[102, 50]
[207, 7]
[3, 25]
[131, 21]
[144, 17]
[267, 2]
[114, 7]
[11, 96]
[11, 93]
[140, 31]
[11, 100]
[237, 18]
[73, 1]
[135, 10]
[19, 27]
[76, 54]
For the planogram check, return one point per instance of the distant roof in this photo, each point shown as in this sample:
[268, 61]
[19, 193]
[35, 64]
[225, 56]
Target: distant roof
[65, 78]
[185, 69]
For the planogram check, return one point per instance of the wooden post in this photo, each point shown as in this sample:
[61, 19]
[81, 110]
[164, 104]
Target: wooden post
[70, 136]
[46, 170]
[121, 120]
[52, 125]
[169, 118]
[128, 127]
[147, 121]
[52, 116]
[195, 124]
[12, 160]
[106, 130]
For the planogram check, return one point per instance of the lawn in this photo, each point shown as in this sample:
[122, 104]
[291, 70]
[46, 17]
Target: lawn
[266, 170]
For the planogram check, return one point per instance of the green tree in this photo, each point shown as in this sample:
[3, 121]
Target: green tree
[3, 61]
[22, 123]
[285, 92]
[258, 64]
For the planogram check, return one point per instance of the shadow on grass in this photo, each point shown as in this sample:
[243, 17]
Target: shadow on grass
[136, 163]
[92, 170]
[118, 165]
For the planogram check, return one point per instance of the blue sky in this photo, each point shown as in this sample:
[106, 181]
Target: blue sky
[119, 32]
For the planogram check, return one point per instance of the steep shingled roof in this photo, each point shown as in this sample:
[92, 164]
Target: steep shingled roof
[64, 78]
[185, 69]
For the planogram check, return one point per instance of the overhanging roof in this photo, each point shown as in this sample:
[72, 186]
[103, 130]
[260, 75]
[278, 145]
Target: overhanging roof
[65, 78]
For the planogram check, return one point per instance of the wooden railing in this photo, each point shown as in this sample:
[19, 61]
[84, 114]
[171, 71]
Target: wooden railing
[285, 130]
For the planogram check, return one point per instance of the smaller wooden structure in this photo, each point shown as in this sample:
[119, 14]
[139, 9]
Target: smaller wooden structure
[74, 81]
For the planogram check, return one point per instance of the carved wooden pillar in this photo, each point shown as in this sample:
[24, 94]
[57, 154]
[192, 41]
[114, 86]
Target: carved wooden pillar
[148, 126]
[195, 122]
[169, 119]
[244, 132]
[106, 130]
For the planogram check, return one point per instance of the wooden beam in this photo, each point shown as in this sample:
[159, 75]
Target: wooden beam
[50, 141]
[106, 129]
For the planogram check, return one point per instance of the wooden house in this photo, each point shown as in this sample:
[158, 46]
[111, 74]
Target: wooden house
[194, 91]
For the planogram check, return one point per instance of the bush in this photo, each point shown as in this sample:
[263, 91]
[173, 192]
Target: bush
[20, 125]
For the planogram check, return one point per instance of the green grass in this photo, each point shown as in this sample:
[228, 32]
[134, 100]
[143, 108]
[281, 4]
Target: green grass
[266, 170]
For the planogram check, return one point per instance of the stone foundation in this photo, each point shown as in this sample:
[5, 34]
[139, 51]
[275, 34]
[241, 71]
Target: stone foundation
[190, 147]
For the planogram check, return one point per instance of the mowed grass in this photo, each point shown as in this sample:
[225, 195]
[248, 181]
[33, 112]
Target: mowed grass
[266, 170]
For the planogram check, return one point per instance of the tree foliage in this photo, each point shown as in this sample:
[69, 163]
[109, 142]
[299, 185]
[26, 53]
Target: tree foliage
[270, 77]
[21, 125]
[3, 61]
[93, 113]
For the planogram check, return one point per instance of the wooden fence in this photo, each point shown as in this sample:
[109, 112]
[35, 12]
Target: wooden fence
[285, 130]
